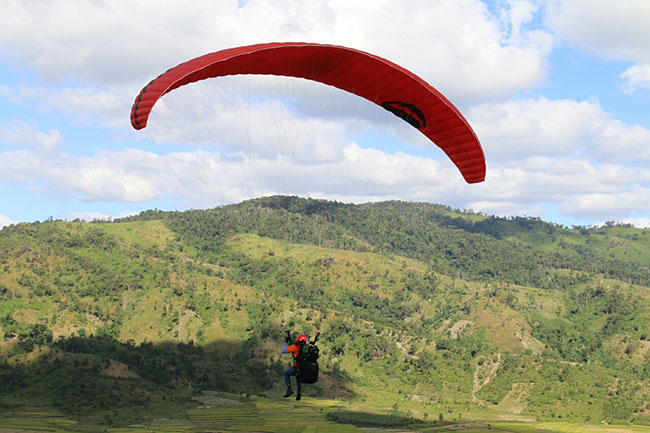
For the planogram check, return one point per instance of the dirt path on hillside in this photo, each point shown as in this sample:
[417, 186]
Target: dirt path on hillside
[490, 370]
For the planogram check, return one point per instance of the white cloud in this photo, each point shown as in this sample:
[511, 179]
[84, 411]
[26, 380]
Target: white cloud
[61, 176]
[88, 216]
[615, 205]
[462, 48]
[638, 222]
[569, 153]
[564, 128]
[200, 178]
[94, 216]
[565, 152]
[616, 30]
[624, 143]
[505, 208]
[521, 13]
[205, 179]
[636, 78]
[80, 104]
[575, 188]
[23, 135]
[518, 129]
[5, 221]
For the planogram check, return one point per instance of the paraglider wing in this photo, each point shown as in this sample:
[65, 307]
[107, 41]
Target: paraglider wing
[378, 80]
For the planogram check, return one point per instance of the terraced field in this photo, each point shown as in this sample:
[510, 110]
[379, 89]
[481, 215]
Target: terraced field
[220, 413]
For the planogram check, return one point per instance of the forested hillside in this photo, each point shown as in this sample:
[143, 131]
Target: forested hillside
[424, 310]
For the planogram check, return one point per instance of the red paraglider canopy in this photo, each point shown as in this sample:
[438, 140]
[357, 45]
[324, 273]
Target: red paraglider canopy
[378, 80]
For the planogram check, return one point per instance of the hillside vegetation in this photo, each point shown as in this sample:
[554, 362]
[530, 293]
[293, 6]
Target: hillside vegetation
[426, 311]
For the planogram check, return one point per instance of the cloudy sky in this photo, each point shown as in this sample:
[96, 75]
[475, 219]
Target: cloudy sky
[558, 92]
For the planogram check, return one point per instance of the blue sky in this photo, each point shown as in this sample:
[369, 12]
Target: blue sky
[557, 91]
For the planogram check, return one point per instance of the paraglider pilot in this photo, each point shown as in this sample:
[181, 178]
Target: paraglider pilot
[293, 349]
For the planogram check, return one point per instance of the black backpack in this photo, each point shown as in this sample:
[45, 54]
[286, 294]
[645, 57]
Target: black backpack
[308, 363]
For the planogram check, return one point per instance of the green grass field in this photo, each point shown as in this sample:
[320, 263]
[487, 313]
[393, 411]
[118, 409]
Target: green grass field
[216, 412]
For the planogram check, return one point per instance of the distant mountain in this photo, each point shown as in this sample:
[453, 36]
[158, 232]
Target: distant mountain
[422, 307]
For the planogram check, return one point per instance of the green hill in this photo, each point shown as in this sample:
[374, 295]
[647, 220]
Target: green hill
[425, 311]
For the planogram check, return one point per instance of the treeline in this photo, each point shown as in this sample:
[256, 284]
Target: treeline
[520, 250]
[72, 372]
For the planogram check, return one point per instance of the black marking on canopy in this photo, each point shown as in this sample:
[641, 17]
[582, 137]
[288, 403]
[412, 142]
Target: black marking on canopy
[408, 112]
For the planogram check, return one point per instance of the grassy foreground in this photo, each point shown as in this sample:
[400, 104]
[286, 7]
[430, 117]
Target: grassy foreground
[219, 412]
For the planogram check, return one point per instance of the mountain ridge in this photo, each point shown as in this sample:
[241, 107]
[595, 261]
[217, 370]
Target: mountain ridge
[421, 306]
